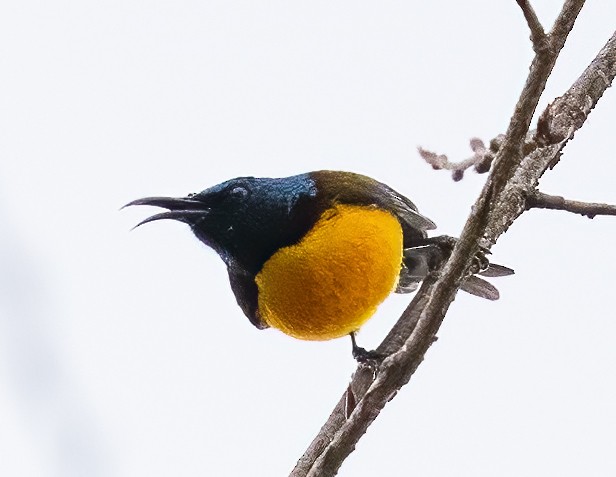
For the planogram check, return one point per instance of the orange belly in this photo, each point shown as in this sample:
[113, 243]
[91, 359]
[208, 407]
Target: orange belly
[332, 281]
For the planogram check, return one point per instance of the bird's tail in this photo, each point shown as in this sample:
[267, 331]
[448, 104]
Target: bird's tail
[419, 261]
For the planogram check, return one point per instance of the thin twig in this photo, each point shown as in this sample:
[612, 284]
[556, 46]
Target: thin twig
[537, 35]
[556, 126]
[540, 69]
[539, 200]
[481, 160]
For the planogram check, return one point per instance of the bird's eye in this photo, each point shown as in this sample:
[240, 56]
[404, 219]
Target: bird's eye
[239, 192]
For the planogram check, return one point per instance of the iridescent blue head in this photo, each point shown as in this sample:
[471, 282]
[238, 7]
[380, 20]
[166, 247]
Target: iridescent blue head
[245, 219]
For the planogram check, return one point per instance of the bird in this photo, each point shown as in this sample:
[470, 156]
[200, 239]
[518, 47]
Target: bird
[314, 255]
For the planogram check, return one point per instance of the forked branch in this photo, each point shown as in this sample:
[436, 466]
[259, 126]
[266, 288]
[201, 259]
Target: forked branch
[514, 175]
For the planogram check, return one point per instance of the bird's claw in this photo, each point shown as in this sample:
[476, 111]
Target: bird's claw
[364, 357]
[370, 358]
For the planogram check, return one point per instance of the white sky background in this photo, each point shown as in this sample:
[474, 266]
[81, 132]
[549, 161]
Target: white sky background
[124, 353]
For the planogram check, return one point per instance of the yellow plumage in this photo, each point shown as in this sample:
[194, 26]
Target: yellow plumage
[331, 282]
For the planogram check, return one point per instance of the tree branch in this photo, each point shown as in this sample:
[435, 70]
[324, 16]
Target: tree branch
[556, 126]
[481, 159]
[539, 200]
[494, 211]
[540, 70]
[537, 35]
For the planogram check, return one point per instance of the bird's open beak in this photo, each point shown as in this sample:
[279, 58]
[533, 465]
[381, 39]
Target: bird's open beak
[184, 209]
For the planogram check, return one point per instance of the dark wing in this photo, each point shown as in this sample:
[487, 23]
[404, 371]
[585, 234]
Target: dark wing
[405, 210]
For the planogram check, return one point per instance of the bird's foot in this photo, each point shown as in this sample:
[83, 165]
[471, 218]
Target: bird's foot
[364, 356]
[370, 358]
